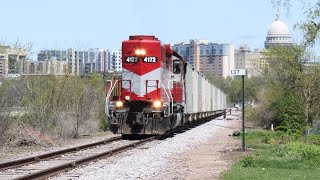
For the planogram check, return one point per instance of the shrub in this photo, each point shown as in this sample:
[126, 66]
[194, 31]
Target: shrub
[259, 114]
[289, 114]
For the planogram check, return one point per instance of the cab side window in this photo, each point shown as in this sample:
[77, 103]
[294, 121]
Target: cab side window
[176, 67]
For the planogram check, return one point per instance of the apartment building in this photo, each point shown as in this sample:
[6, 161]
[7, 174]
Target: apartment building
[10, 60]
[211, 59]
[50, 67]
[85, 61]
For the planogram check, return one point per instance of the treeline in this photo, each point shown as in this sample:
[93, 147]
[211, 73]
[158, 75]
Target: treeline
[60, 106]
[287, 94]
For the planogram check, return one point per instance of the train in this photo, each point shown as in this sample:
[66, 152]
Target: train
[158, 91]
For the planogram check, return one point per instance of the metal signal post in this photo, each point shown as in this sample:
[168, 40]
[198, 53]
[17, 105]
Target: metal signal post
[243, 119]
[241, 72]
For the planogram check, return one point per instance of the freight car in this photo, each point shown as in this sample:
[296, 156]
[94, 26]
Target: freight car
[158, 91]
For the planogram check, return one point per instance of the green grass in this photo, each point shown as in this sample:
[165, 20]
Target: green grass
[277, 155]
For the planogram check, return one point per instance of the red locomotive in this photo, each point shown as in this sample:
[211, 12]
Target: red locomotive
[158, 90]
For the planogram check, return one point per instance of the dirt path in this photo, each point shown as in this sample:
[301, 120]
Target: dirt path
[209, 160]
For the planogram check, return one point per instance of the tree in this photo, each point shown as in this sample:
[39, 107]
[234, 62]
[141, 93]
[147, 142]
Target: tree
[233, 89]
[291, 75]
[65, 106]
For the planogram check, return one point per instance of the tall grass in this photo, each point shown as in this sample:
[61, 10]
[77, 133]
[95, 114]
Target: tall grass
[278, 155]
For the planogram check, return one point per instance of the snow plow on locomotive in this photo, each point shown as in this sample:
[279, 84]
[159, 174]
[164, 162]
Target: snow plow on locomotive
[158, 91]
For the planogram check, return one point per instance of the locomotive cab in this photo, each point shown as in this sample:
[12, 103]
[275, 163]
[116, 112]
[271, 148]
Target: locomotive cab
[144, 98]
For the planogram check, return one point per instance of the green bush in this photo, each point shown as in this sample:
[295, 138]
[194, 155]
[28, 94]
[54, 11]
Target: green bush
[289, 114]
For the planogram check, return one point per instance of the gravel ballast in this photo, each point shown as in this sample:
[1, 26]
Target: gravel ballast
[148, 163]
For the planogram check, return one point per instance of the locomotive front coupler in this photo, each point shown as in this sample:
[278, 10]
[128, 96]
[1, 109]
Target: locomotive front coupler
[117, 115]
[139, 119]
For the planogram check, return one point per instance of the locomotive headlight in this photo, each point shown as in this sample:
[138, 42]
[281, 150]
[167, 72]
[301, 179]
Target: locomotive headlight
[140, 52]
[156, 104]
[119, 104]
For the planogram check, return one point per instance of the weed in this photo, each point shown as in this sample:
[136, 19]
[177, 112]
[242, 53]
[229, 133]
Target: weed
[306, 151]
[279, 152]
[247, 161]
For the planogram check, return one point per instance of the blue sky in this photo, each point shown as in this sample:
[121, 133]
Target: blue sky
[61, 24]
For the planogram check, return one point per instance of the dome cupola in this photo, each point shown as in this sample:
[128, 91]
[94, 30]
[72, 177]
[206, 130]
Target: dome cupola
[278, 33]
[278, 27]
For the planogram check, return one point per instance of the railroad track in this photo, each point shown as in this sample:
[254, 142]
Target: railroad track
[46, 165]
[50, 164]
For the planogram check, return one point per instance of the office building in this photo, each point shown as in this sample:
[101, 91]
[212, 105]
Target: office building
[252, 61]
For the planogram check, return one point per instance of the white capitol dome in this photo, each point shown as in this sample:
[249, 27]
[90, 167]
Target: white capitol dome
[278, 33]
[278, 27]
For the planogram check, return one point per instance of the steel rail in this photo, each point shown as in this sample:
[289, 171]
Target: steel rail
[29, 160]
[67, 166]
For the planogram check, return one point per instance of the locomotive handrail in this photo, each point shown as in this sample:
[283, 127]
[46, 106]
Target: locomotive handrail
[108, 96]
[170, 97]
[170, 93]
[106, 107]
[110, 86]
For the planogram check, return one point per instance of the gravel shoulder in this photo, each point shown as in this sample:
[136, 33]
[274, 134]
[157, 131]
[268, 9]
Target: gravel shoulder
[203, 152]
[209, 160]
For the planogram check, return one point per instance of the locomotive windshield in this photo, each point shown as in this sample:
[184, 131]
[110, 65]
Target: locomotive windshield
[176, 67]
